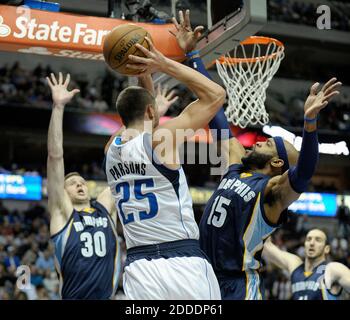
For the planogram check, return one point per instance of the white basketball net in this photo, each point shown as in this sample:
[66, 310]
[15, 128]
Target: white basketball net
[246, 81]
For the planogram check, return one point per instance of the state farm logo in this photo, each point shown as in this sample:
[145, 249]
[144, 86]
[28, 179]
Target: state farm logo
[55, 32]
[5, 30]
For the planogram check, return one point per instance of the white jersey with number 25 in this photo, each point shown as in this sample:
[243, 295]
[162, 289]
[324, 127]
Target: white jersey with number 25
[153, 201]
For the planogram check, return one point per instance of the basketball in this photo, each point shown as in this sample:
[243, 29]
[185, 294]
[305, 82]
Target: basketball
[120, 43]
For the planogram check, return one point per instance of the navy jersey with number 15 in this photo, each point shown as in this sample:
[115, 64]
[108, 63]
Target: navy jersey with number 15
[233, 229]
[87, 255]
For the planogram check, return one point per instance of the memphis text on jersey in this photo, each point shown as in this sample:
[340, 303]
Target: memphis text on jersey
[239, 187]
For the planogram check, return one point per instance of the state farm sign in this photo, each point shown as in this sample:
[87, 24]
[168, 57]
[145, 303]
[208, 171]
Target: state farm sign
[67, 35]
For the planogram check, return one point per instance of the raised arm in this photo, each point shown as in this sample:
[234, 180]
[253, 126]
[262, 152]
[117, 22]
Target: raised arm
[337, 274]
[147, 83]
[195, 116]
[59, 203]
[285, 189]
[187, 40]
[282, 259]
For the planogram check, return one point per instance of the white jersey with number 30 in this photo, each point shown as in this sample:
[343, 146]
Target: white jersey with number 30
[153, 201]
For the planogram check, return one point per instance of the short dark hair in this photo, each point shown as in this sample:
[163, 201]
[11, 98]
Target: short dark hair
[71, 174]
[132, 102]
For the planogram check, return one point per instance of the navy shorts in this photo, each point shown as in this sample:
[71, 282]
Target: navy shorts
[242, 286]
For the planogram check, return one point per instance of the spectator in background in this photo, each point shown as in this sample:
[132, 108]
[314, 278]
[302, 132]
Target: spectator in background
[45, 261]
[343, 215]
[281, 288]
[12, 261]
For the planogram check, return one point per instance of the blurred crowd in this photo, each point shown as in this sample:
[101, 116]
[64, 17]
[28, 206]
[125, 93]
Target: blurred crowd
[335, 117]
[20, 85]
[303, 12]
[28, 87]
[24, 240]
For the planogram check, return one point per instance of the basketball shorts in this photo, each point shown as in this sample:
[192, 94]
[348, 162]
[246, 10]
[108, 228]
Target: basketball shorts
[176, 270]
[242, 286]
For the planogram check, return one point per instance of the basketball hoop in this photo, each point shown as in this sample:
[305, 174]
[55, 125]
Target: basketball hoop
[246, 77]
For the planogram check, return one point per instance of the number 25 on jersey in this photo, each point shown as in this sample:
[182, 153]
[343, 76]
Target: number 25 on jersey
[138, 195]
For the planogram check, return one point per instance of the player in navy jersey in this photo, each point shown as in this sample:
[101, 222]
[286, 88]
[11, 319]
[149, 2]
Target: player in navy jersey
[87, 256]
[253, 194]
[313, 279]
[252, 197]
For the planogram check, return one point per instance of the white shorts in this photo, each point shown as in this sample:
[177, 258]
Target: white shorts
[173, 278]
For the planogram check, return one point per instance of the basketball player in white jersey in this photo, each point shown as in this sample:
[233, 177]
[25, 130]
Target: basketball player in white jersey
[164, 260]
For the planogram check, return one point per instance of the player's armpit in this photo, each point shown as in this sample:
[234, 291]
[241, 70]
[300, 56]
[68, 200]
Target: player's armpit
[147, 83]
[237, 151]
[337, 274]
[282, 259]
[279, 195]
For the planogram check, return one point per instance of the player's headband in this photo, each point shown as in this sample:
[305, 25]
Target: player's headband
[282, 152]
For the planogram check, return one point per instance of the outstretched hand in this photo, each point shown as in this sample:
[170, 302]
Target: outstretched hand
[153, 61]
[60, 94]
[318, 101]
[186, 37]
[164, 100]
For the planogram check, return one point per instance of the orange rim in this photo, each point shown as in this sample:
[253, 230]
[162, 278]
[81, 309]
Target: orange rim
[251, 41]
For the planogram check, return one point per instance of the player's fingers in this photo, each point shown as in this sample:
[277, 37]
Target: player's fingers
[323, 105]
[139, 67]
[53, 79]
[181, 18]
[75, 91]
[143, 49]
[331, 95]
[159, 90]
[187, 19]
[60, 78]
[150, 43]
[313, 89]
[165, 90]
[138, 59]
[172, 33]
[49, 82]
[176, 24]
[171, 94]
[328, 84]
[332, 88]
[198, 31]
[66, 83]
[174, 100]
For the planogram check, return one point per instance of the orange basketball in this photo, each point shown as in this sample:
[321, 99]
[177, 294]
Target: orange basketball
[120, 43]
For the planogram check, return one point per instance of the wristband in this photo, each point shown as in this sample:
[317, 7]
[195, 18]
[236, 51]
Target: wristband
[310, 120]
[192, 53]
